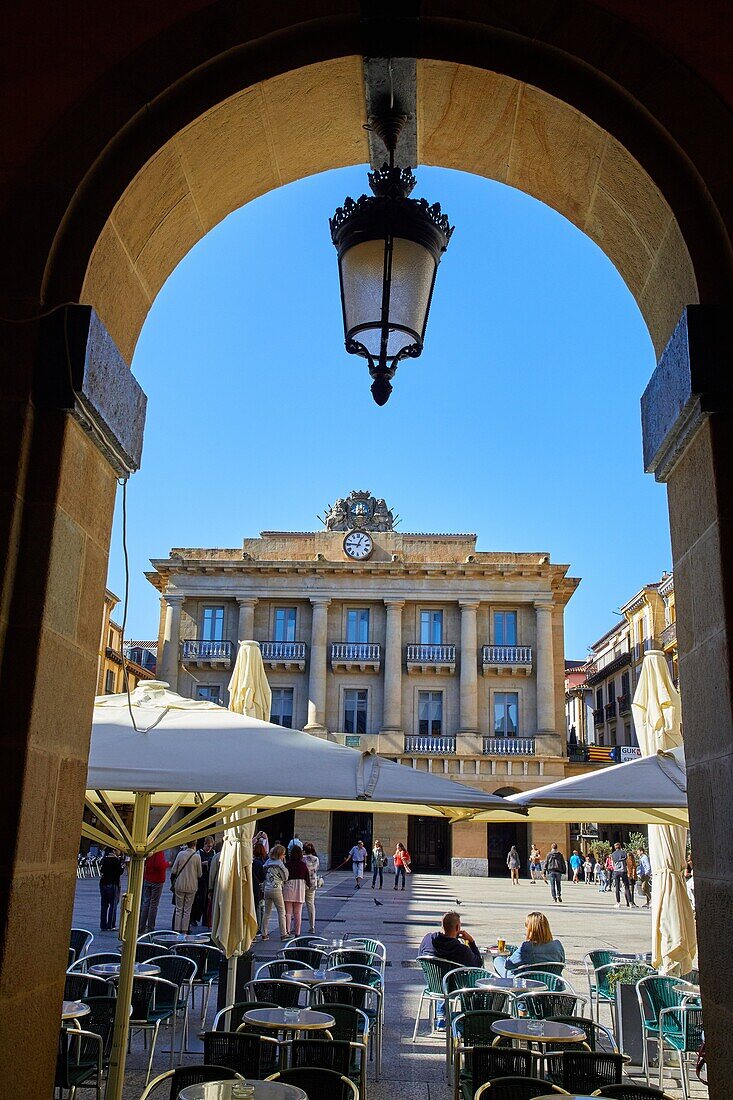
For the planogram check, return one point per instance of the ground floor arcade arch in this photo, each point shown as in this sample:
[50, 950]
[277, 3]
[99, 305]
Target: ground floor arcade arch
[61, 487]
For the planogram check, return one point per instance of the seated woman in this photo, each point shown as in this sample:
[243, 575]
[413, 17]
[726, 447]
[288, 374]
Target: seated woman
[539, 946]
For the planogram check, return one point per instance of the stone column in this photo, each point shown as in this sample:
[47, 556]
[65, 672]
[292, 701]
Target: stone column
[245, 625]
[468, 722]
[318, 665]
[168, 668]
[392, 713]
[545, 665]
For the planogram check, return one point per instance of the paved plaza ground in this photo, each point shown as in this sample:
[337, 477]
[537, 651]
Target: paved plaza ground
[490, 908]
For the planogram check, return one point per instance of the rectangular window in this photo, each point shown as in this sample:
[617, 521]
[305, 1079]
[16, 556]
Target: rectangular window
[625, 684]
[599, 698]
[357, 624]
[212, 626]
[355, 710]
[431, 628]
[430, 713]
[210, 692]
[281, 708]
[612, 691]
[506, 713]
[109, 682]
[284, 624]
[505, 628]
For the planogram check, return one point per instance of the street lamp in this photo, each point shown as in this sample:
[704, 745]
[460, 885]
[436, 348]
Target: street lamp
[389, 247]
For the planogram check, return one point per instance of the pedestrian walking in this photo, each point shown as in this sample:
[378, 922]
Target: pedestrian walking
[153, 883]
[401, 864]
[555, 869]
[296, 840]
[535, 864]
[576, 863]
[110, 873]
[312, 862]
[621, 876]
[631, 872]
[358, 855]
[276, 875]
[379, 862]
[185, 875]
[644, 872]
[588, 867]
[199, 908]
[513, 863]
[294, 889]
[259, 856]
[609, 873]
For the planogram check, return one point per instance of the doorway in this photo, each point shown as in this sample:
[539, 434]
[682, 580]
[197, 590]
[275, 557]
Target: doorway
[346, 829]
[428, 842]
[279, 827]
[499, 838]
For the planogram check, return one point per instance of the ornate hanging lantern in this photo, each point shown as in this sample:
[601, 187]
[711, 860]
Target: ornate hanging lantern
[389, 247]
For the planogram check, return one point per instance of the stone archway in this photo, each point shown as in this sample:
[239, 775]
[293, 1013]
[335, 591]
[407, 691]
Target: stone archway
[581, 107]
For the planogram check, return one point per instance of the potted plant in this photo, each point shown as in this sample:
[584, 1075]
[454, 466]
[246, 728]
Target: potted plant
[622, 979]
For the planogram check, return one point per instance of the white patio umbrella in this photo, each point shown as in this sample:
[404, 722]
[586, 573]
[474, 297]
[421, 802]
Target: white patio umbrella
[644, 791]
[234, 924]
[148, 751]
[658, 720]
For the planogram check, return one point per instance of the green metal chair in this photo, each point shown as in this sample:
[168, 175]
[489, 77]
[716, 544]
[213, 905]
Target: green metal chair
[598, 987]
[656, 993]
[434, 970]
[461, 978]
[231, 1016]
[306, 956]
[368, 998]
[242, 1051]
[598, 1037]
[351, 1026]
[78, 1060]
[183, 1076]
[275, 968]
[477, 1065]
[325, 1084]
[517, 1088]
[153, 1003]
[369, 944]
[543, 1004]
[581, 1071]
[680, 1030]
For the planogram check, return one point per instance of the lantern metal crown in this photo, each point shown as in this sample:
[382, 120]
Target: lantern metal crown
[389, 247]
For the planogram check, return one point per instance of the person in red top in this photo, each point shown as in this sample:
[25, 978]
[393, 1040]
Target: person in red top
[401, 864]
[153, 882]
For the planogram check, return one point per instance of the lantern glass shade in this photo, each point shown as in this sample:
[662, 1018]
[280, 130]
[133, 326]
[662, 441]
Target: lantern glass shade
[413, 269]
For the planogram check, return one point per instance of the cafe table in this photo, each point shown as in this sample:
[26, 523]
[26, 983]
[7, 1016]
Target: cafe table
[315, 977]
[222, 1090]
[112, 970]
[508, 985]
[688, 991]
[295, 1020]
[74, 1010]
[542, 1032]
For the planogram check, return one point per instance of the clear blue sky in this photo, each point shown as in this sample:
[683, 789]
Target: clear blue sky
[520, 422]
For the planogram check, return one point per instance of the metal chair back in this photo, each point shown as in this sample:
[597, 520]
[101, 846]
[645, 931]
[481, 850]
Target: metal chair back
[83, 964]
[240, 1051]
[231, 1017]
[277, 967]
[326, 1084]
[434, 970]
[483, 1000]
[351, 1024]
[464, 977]
[598, 1037]
[284, 994]
[483, 1063]
[80, 941]
[147, 950]
[308, 956]
[207, 959]
[78, 986]
[369, 944]
[516, 1088]
[474, 1028]
[584, 1071]
[540, 1005]
[343, 956]
[332, 1054]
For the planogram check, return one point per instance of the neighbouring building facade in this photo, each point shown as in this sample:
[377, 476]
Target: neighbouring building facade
[436, 654]
[140, 662]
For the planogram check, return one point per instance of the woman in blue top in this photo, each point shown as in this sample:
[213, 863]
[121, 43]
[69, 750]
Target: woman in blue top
[539, 946]
[576, 862]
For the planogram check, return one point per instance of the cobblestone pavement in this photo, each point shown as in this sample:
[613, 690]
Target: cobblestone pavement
[489, 908]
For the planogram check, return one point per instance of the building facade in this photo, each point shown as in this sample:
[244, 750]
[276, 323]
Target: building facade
[419, 646]
[113, 652]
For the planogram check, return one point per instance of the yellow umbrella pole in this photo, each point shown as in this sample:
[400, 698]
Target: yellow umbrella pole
[129, 924]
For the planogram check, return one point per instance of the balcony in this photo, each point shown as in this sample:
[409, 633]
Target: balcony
[283, 656]
[598, 716]
[668, 637]
[431, 658]
[355, 657]
[506, 660]
[624, 704]
[508, 746]
[430, 746]
[610, 711]
[204, 654]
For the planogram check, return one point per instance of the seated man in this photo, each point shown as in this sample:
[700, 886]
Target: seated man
[455, 944]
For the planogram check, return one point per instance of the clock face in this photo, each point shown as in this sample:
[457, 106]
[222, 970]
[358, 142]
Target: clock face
[358, 545]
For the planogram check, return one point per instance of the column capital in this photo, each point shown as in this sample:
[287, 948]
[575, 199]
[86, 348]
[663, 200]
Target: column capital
[543, 605]
[394, 605]
[320, 601]
[469, 605]
[173, 598]
[247, 601]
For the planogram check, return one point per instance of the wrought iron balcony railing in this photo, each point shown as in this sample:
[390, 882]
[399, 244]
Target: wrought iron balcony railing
[598, 716]
[624, 704]
[196, 649]
[610, 710]
[509, 746]
[507, 654]
[430, 746]
[668, 637]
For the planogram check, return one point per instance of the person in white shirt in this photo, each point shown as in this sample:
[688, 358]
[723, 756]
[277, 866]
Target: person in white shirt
[185, 873]
[296, 840]
[357, 855]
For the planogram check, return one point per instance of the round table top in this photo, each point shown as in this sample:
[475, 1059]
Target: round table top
[112, 970]
[222, 1090]
[496, 953]
[72, 1010]
[550, 1033]
[687, 989]
[307, 1019]
[501, 985]
[314, 977]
